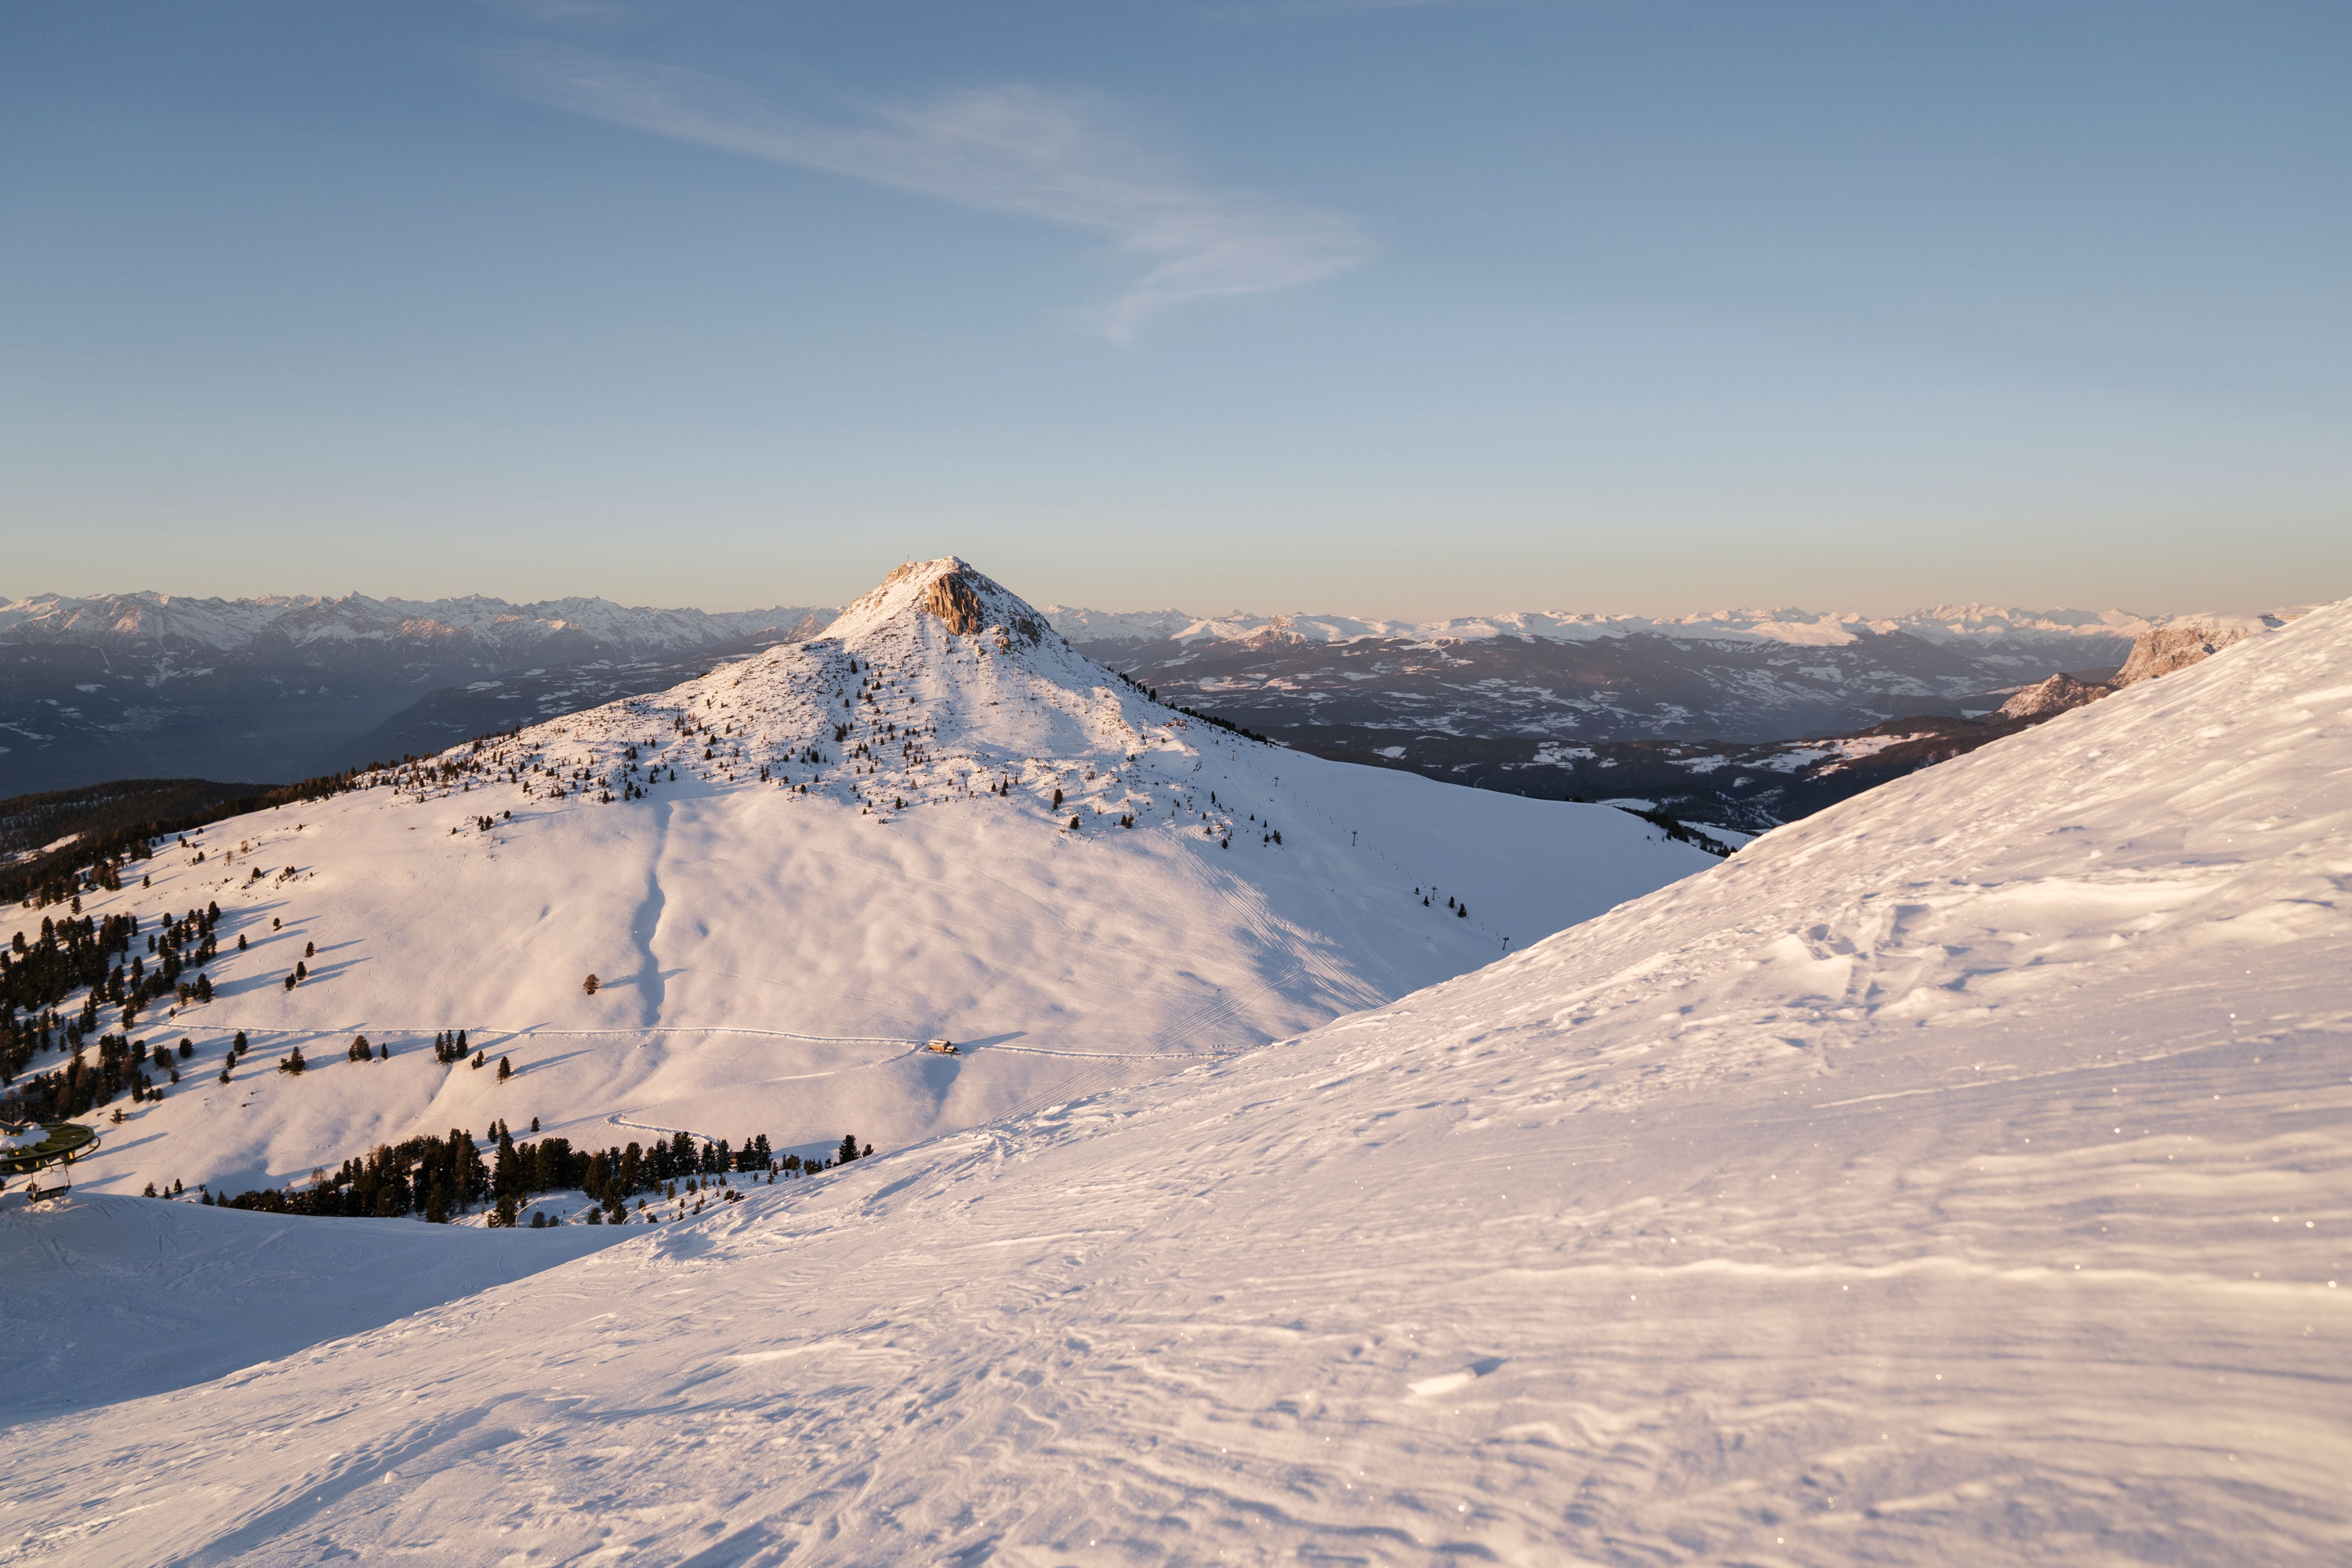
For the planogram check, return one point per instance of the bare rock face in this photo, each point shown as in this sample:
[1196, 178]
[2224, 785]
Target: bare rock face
[2163, 649]
[2055, 695]
[969, 604]
[951, 598]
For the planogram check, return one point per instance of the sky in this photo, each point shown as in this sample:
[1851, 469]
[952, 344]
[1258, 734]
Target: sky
[1355, 306]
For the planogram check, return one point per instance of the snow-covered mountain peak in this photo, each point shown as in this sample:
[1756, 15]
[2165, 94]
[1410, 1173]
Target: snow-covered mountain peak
[964, 600]
[939, 687]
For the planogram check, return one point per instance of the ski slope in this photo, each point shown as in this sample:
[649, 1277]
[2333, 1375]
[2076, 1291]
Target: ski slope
[789, 873]
[1959, 1175]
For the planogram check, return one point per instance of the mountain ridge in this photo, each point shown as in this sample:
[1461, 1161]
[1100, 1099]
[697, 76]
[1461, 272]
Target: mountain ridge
[147, 619]
[1966, 624]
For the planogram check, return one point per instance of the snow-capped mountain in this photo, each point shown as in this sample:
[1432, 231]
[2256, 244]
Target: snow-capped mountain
[1958, 1175]
[1746, 676]
[150, 621]
[935, 820]
[1752, 786]
[150, 685]
[1983, 631]
[1741, 719]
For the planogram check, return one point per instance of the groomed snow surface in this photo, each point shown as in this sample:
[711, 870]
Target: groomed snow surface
[1958, 1175]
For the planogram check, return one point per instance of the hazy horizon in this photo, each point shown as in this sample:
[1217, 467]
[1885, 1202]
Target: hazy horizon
[1408, 308]
[791, 601]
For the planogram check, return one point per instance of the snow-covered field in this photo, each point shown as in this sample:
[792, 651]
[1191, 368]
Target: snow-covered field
[1958, 1175]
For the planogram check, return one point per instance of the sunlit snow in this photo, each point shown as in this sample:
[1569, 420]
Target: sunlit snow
[1958, 1175]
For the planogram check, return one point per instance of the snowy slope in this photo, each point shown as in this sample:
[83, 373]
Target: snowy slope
[772, 951]
[1959, 1175]
[112, 1299]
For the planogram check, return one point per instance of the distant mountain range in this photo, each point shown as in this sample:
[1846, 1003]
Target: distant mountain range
[1740, 720]
[146, 623]
[276, 689]
[1758, 675]
[151, 685]
[1989, 634]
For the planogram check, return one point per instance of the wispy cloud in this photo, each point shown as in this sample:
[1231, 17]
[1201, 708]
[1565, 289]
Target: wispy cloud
[1019, 150]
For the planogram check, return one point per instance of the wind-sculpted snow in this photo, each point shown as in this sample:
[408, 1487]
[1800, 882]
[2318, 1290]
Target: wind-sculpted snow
[1958, 1176]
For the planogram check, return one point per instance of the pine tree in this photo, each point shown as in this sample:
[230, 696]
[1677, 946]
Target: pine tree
[505, 1070]
[589, 984]
[848, 1150]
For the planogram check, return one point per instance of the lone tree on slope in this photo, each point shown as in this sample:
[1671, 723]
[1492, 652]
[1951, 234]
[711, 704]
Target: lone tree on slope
[589, 984]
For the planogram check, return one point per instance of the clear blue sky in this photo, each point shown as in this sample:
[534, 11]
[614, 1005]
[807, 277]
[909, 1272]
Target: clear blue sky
[1303, 304]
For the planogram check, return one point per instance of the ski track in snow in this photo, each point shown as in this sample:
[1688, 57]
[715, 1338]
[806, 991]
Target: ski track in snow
[1958, 1175]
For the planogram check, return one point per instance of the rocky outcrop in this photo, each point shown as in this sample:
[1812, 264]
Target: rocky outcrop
[961, 599]
[955, 593]
[2055, 695]
[2163, 649]
[951, 598]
